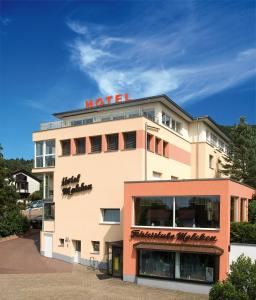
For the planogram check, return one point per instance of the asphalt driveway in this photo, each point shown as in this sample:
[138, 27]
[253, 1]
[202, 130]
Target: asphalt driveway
[22, 256]
[25, 274]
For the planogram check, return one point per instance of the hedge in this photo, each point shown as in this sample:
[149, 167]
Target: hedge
[243, 232]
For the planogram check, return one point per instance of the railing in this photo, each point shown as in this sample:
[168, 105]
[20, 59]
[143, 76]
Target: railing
[99, 118]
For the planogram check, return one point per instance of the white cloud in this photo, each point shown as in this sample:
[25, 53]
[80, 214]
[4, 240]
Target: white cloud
[155, 64]
[77, 27]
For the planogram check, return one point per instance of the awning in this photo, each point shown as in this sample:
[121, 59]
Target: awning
[181, 248]
[116, 243]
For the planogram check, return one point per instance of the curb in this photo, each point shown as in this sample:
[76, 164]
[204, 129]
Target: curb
[9, 238]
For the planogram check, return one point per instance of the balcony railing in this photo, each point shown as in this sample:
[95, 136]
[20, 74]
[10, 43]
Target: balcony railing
[99, 118]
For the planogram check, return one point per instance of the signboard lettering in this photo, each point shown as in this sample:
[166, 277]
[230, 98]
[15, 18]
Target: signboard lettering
[70, 190]
[107, 100]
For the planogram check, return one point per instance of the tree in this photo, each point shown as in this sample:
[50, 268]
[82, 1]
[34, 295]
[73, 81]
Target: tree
[11, 220]
[241, 163]
[240, 283]
[252, 210]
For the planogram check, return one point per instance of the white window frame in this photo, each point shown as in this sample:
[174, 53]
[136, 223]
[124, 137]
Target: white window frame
[109, 222]
[93, 250]
[44, 154]
[173, 218]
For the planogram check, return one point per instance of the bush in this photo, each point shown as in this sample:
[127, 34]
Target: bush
[243, 232]
[12, 222]
[240, 283]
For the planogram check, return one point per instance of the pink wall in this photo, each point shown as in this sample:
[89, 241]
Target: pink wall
[223, 188]
[180, 155]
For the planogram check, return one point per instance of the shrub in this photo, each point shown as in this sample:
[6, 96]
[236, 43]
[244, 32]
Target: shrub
[243, 232]
[240, 283]
[12, 222]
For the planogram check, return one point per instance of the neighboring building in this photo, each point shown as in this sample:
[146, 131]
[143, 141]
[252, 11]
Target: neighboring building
[25, 183]
[86, 157]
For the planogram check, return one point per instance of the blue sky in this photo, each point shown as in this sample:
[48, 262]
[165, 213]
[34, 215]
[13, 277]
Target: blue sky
[56, 54]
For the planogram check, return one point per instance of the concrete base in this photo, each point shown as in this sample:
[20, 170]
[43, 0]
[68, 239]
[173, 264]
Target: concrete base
[129, 278]
[175, 285]
[86, 262]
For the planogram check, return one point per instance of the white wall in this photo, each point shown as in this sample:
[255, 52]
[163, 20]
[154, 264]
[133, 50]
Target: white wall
[237, 249]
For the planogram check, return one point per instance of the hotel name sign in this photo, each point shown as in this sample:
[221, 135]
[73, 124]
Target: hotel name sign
[107, 100]
[180, 236]
[70, 190]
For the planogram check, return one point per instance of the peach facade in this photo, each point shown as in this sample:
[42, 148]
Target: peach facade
[179, 148]
[223, 188]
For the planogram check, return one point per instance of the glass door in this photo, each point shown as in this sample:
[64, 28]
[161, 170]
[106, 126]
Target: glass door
[117, 261]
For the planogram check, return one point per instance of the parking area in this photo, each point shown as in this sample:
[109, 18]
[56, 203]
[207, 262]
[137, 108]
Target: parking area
[22, 256]
[25, 274]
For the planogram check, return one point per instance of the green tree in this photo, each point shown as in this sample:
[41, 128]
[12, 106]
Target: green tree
[240, 283]
[11, 220]
[252, 210]
[241, 163]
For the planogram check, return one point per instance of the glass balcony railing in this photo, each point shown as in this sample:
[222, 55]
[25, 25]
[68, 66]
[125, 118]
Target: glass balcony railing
[150, 114]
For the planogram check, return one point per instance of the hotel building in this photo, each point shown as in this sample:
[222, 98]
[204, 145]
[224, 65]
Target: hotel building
[135, 188]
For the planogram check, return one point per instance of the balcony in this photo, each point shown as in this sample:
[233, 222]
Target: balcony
[150, 114]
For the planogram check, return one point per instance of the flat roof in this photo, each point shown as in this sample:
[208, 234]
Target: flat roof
[164, 99]
[198, 179]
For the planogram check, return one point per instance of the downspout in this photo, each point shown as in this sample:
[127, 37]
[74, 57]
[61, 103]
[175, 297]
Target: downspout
[197, 151]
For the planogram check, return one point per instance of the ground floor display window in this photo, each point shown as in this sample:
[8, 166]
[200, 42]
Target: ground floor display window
[177, 265]
[156, 263]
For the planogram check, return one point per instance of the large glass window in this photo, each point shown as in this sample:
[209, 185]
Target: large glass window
[197, 211]
[111, 215]
[178, 265]
[45, 154]
[193, 211]
[156, 263]
[194, 266]
[154, 211]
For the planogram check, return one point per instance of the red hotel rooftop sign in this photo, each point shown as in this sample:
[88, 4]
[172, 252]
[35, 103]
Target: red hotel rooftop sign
[107, 100]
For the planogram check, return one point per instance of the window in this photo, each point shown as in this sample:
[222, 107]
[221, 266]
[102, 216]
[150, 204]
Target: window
[80, 145]
[154, 211]
[232, 209]
[96, 144]
[49, 211]
[211, 161]
[191, 212]
[213, 139]
[155, 263]
[157, 146]
[129, 140]
[65, 146]
[112, 142]
[242, 210]
[50, 153]
[157, 175]
[150, 114]
[61, 242]
[165, 149]
[221, 145]
[198, 267]
[45, 154]
[197, 211]
[176, 126]
[95, 247]
[110, 215]
[178, 265]
[149, 141]
[166, 120]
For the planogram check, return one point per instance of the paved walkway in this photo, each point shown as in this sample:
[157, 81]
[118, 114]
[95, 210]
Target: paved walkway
[25, 274]
[22, 256]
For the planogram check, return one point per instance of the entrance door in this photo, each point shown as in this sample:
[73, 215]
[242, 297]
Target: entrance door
[77, 251]
[48, 245]
[117, 261]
